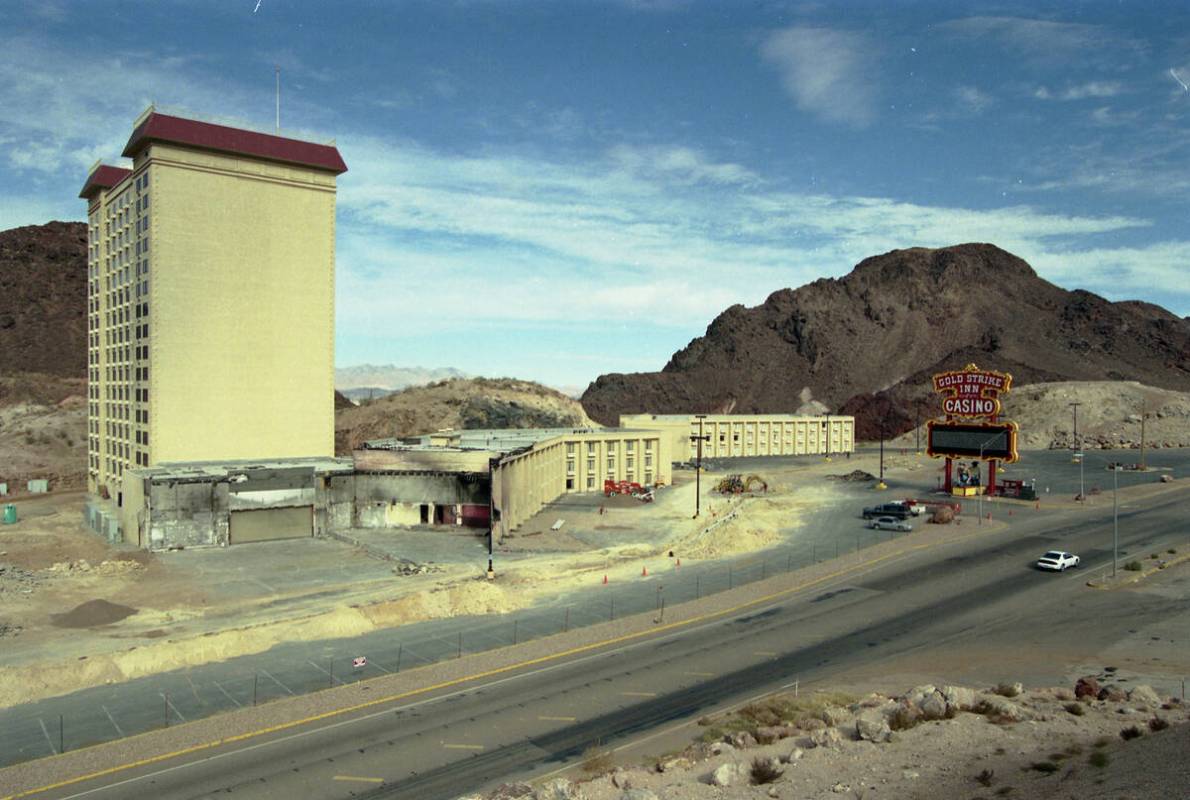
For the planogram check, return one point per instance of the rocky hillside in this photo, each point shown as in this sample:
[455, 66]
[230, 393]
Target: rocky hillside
[369, 381]
[43, 299]
[461, 403]
[869, 341]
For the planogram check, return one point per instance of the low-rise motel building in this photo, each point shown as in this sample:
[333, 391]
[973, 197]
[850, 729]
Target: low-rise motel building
[749, 435]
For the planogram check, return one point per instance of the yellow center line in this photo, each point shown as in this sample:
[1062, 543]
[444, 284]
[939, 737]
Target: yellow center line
[463, 746]
[558, 719]
[357, 779]
[639, 694]
[623, 638]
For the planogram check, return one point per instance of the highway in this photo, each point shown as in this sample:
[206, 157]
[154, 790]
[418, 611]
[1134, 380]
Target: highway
[980, 594]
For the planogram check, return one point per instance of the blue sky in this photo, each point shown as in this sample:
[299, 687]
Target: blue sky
[557, 190]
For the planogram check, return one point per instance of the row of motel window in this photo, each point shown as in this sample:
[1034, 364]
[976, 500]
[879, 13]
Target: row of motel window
[125, 271]
[629, 462]
[801, 437]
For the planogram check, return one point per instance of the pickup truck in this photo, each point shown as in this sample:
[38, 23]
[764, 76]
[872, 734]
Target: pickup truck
[898, 510]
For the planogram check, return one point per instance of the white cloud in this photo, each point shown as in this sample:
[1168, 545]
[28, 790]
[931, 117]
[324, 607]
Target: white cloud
[1039, 39]
[828, 73]
[973, 99]
[1081, 91]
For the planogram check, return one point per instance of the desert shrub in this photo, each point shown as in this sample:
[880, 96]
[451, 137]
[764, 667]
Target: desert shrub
[986, 778]
[1154, 556]
[1132, 732]
[1044, 767]
[1133, 566]
[1158, 724]
[1004, 791]
[764, 771]
[1006, 690]
[1076, 709]
[762, 713]
[596, 762]
[1074, 750]
[1098, 759]
[1172, 551]
[1102, 741]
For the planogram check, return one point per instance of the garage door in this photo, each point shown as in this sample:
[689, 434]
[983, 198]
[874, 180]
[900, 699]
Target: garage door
[272, 523]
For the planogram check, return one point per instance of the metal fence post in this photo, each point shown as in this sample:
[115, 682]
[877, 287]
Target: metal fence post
[400, 647]
[566, 620]
[789, 562]
[611, 614]
[697, 587]
[62, 734]
[331, 672]
[730, 578]
[460, 655]
[165, 696]
[255, 683]
[514, 631]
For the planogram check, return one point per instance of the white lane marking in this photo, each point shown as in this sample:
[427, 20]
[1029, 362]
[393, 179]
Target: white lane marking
[53, 749]
[175, 708]
[265, 673]
[228, 696]
[115, 724]
[323, 671]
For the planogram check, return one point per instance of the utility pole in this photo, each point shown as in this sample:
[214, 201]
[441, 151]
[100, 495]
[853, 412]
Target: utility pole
[1115, 513]
[699, 438]
[1074, 439]
[881, 484]
[1143, 413]
[917, 426]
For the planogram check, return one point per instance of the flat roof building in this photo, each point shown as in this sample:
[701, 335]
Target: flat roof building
[748, 435]
[211, 268]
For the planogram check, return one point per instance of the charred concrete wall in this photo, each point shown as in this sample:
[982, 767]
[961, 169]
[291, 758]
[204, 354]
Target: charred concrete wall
[189, 514]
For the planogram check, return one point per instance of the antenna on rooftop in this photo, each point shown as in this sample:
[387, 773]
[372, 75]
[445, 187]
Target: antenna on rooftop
[277, 67]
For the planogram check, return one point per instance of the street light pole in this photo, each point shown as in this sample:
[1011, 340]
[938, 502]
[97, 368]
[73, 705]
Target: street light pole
[700, 438]
[1115, 513]
[1074, 439]
[881, 484]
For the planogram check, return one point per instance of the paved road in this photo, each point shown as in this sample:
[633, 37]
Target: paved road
[982, 592]
[109, 712]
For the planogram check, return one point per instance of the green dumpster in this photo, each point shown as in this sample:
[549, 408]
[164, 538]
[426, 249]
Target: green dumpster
[10, 514]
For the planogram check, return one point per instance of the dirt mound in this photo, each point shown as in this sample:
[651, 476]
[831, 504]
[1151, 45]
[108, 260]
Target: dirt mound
[892, 321]
[92, 614]
[462, 403]
[855, 475]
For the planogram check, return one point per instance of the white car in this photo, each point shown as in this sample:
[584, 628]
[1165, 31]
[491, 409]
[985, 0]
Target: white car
[890, 524]
[1057, 561]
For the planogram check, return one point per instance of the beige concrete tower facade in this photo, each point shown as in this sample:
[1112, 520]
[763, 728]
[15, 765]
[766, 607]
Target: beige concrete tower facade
[211, 270]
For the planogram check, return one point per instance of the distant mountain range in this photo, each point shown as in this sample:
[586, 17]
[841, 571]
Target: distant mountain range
[377, 380]
[867, 343]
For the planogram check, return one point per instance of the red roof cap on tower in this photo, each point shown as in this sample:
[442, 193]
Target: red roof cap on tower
[158, 127]
[103, 177]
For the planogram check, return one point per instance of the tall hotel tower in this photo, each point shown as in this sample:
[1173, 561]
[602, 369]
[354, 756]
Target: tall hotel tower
[211, 270]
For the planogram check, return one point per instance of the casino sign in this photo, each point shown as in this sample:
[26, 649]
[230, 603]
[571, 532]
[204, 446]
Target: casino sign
[972, 393]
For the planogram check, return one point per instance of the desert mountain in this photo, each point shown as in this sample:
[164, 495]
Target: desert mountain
[43, 299]
[868, 342]
[459, 403]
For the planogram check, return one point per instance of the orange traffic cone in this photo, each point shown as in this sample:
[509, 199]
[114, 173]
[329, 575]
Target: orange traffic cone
[644, 572]
[605, 580]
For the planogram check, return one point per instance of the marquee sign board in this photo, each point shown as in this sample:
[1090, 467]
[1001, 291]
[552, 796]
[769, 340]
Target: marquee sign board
[972, 440]
[972, 393]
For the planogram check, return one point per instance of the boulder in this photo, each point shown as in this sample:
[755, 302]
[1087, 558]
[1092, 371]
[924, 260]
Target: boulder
[638, 794]
[1086, 687]
[1005, 709]
[1112, 694]
[674, 763]
[793, 755]
[1143, 695]
[933, 706]
[959, 698]
[872, 727]
[718, 748]
[741, 739]
[918, 693]
[558, 789]
[827, 737]
[1064, 694]
[727, 774]
[622, 778]
[512, 791]
[772, 764]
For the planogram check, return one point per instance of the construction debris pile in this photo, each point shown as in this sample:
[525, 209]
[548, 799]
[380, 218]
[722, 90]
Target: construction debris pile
[14, 580]
[738, 484]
